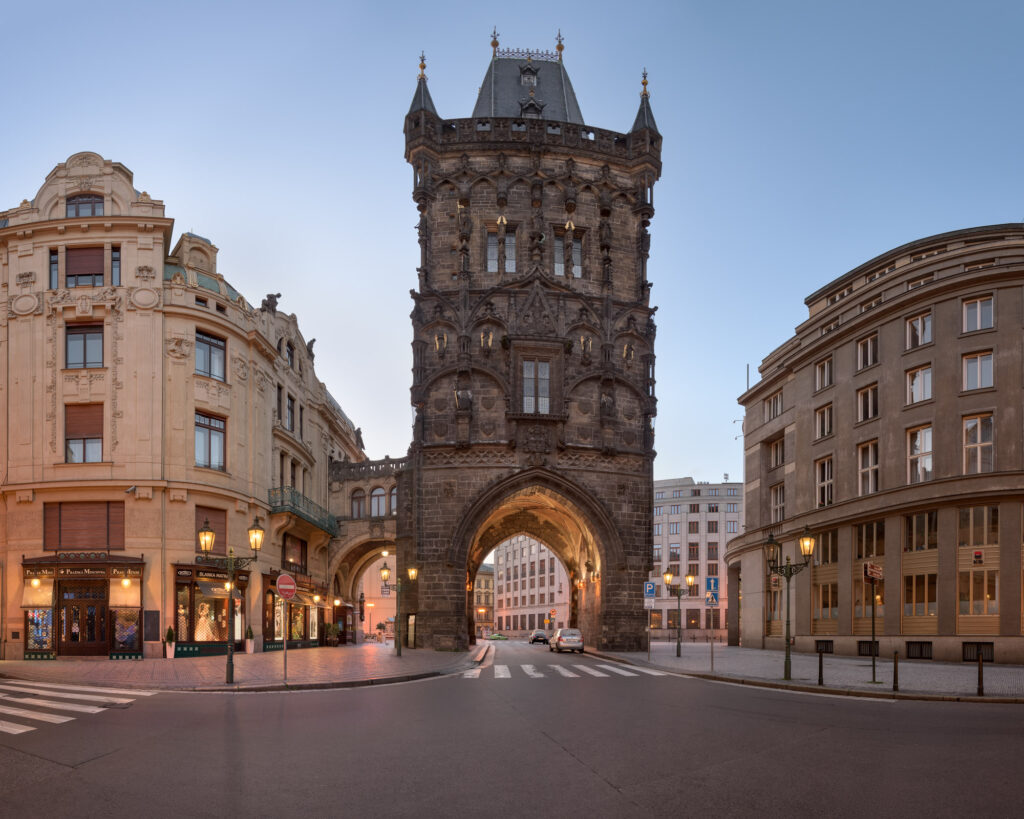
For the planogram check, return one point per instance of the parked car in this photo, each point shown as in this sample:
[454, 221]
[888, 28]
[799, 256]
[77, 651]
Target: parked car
[497, 637]
[539, 636]
[567, 639]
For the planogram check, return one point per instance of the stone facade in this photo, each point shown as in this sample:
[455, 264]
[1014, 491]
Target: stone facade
[533, 356]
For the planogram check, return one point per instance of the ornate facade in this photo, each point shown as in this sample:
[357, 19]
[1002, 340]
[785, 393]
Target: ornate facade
[533, 349]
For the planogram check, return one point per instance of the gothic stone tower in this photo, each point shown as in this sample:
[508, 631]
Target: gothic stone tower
[533, 353]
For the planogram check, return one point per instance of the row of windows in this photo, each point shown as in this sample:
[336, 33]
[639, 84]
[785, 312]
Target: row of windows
[713, 618]
[692, 552]
[526, 622]
[694, 508]
[711, 492]
[566, 256]
[84, 267]
[693, 527]
[521, 600]
[378, 503]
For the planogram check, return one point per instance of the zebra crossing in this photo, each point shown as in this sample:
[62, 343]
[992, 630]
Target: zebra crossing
[26, 706]
[536, 672]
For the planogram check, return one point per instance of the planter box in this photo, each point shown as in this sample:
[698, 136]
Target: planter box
[250, 646]
[169, 650]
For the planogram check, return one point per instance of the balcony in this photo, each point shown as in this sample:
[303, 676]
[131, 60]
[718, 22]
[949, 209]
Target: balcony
[289, 499]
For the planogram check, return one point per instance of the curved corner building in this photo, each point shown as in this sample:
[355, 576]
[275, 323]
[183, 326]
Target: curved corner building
[890, 425]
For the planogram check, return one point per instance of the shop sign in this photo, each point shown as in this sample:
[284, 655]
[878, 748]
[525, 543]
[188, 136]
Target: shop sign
[67, 571]
[209, 574]
[40, 572]
[184, 572]
[126, 571]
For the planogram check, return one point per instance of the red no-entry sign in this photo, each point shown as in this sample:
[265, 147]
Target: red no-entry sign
[286, 586]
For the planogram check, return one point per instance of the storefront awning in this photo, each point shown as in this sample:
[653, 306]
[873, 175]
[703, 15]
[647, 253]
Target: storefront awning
[306, 599]
[38, 597]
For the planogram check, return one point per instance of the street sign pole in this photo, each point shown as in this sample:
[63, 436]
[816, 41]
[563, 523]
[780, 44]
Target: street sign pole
[286, 589]
[873, 652]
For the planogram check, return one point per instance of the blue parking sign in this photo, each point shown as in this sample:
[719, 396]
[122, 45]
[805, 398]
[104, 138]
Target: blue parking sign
[648, 588]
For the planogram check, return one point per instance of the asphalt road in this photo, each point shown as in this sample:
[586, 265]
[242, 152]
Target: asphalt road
[521, 738]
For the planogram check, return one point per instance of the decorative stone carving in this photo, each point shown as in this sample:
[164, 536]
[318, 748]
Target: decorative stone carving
[24, 305]
[177, 495]
[179, 347]
[144, 272]
[144, 298]
[239, 367]
[25, 279]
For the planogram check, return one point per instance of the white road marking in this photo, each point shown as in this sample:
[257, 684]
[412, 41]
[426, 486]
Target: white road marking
[37, 715]
[501, 672]
[89, 688]
[531, 671]
[561, 669]
[14, 728]
[616, 670]
[472, 673]
[593, 672]
[650, 671]
[52, 693]
[59, 706]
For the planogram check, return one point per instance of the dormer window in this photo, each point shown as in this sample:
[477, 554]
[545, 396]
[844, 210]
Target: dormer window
[528, 78]
[87, 204]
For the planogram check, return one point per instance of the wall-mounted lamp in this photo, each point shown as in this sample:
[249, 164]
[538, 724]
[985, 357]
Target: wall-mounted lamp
[126, 582]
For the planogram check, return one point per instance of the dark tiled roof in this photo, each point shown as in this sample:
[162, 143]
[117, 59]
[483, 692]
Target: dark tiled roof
[421, 100]
[503, 92]
[644, 117]
[197, 236]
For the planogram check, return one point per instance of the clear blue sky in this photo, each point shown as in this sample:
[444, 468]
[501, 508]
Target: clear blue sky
[800, 139]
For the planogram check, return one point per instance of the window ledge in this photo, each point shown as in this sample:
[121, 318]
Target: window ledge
[868, 420]
[212, 469]
[212, 378]
[869, 367]
[979, 332]
[59, 464]
[924, 346]
[922, 403]
[823, 438]
[977, 391]
[102, 369]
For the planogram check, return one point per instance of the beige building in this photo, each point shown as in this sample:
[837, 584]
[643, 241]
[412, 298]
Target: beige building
[483, 600]
[530, 584]
[144, 397]
[691, 523]
[890, 426]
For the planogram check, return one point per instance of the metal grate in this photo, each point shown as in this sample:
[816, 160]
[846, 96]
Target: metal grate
[865, 648]
[919, 650]
[824, 647]
[971, 651]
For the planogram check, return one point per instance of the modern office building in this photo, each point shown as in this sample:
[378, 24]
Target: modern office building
[692, 522]
[144, 399]
[890, 427]
[530, 584]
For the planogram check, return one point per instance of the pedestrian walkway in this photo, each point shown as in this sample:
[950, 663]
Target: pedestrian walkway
[538, 672]
[26, 705]
[917, 678]
[335, 666]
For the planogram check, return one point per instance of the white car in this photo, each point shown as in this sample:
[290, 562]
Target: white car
[567, 639]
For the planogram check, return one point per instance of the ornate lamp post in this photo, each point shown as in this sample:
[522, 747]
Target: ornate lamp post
[385, 573]
[232, 564]
[773, 557]
[678, 592]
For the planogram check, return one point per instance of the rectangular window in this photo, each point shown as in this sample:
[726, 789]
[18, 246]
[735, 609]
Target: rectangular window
[823, 421]
[825, 601]
[978, 449]
[693, 551]
[867, 351]
[568, 254]
[210, 355]
[712, 551]
[510, 251]
[919, 384]
[712, 570]
[674, 509]
[659, 495]
[657, 553]
[713, 508]
[294, 554]
[823, 374]
[869, 539]
[712, 527]
[920, 531]
[673, 552]
[210, 441]
[867, 403]
[83, 346]
[826, 549]
[673, 528]
[977, 370]
[83, 525]
[657, 511]
[115, 266]
[919, 454]
[656, 529]
[694, 569]
[773, 406]
[731, 527]
[656, 618]
[54, 270]
[693, 527]
[919, 595]
[492, 252]
[862, 597]
[83, 267]
[823, 481]
[919, 330]
[979, 592]
[777, 499]
[83, 433]
[978, 526]
[867, 467]
[289, 414]
[777, 453]
[977, 314]
[536, 386]
[694, 508]
[921, 281]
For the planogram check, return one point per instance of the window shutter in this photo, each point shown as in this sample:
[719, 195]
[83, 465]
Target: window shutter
[218, 519]
[83, 525]
[83, 261]
[83, 421]
[115, 525]
[51, 525]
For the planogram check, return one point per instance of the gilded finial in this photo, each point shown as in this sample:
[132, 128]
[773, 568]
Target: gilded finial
[644, 93]
[423, 65]
[494, 41]
[559, 48]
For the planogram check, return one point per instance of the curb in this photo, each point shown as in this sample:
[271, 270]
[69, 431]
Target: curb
[818, 689]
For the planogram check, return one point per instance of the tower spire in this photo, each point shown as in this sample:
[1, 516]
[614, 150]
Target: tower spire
[421, 100]
[494, 42]
[559, 48]
[423, 65]
[644, 116]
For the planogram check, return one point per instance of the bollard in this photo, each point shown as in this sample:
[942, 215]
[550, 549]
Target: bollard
[895, 671]
[981, 674]
[821, 668]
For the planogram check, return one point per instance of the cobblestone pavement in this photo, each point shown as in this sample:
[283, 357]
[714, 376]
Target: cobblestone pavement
[307, 667]
[852, 674]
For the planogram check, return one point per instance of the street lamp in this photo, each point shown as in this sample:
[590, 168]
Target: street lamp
[773, 557]
[678, 592]
[385, 573]
[206, 538]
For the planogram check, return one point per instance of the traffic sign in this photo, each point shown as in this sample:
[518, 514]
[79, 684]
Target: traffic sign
[872, 571]
[648, 602]
[385, 590]
[649, 588]
[553, 612]
[286, 586]
[711, 599]
[712, 585]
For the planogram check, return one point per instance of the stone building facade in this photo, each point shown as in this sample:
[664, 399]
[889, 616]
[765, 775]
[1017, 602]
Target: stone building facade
[533, 349]
[532, 588]
[142, 397]
[890, 426]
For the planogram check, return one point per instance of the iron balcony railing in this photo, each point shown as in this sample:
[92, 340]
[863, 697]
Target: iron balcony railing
[289, 499]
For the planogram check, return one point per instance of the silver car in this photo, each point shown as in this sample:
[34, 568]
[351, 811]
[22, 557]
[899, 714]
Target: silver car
[567, 639]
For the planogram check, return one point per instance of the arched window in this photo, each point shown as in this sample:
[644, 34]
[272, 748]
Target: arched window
[377, 501]
[86, 204]
[359, 504]
[394, 500]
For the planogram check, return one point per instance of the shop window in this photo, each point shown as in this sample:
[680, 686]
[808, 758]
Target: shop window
[979, 592]
[920, 531]
[692, 618]
[656, 618]
[83, 525]
[862, 590]
[919, 595]
[83, 433]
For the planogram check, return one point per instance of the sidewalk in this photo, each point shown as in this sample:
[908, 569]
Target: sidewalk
[329, 667]
[918, 679]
